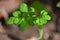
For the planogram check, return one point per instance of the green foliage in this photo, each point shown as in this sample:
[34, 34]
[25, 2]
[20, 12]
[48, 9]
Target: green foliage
[31, 9]
[26, 17]
[10, 20]
[23, 7]
[16, 21]
[24, 25]
[43, 12]
[43, 19]
[16, 13]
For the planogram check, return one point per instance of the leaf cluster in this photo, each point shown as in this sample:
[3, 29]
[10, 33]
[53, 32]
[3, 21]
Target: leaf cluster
[25, 17]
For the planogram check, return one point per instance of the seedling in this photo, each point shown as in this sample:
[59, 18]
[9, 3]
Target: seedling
[25, 17]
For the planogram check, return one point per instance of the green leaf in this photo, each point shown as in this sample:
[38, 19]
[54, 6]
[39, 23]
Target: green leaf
[43, 12]
[21, 20]
[16, 21]
[31, 23]
[34, 16]
[16, 13]
[24, 25]
[23, 7]
[37, 21]
[31, 9]
[25, 15]
[41, 21]
[47, 17]
[10, 20]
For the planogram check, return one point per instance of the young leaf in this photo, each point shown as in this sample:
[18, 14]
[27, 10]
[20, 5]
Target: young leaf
[10, 20]
[37, 21]
[46, 17]
[20, 20]
[31, 9]
[23, 7]
[16, 13]
[43, 12]
[16, 21]
[42, 21]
